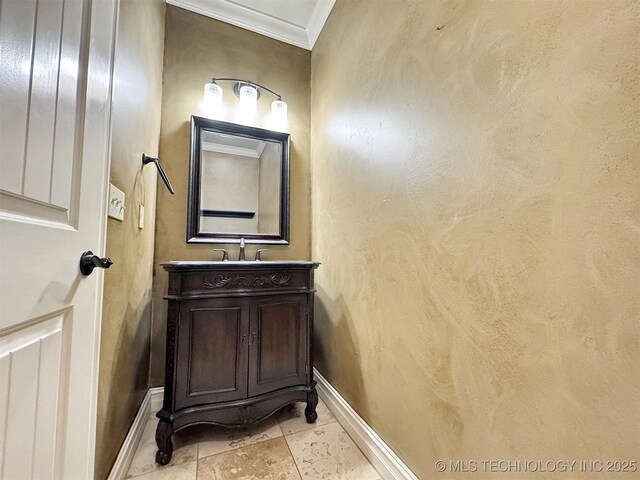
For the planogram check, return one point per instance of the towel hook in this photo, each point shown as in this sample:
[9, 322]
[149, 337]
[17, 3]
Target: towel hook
[147, 159]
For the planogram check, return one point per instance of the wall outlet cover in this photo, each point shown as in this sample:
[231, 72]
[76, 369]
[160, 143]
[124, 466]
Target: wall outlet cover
[116, 203]
[141, 218]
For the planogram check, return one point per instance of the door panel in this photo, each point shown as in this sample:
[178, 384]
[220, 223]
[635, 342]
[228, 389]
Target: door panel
[64, 170]
[32, 407]
[55, 93]
[42, 107]
[40, 123]
[278, 349]
[17, 28]
[212, 334]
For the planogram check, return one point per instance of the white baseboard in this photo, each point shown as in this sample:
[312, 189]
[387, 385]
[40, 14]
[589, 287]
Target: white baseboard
[152, 402]
[157, 395]
[387, 463]
[384, 460]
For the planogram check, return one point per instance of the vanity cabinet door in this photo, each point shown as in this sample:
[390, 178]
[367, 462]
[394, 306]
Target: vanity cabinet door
[278, 343]
[212, 344]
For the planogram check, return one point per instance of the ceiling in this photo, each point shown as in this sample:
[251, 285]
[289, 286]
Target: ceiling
[297, 22]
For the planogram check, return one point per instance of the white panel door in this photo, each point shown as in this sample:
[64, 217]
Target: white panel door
[55, 90]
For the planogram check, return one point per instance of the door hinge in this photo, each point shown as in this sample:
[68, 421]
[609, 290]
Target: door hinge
[306, 368]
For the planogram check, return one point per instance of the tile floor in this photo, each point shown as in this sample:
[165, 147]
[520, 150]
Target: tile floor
[283, 447]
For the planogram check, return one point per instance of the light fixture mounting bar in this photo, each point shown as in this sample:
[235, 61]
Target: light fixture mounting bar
[240, 82]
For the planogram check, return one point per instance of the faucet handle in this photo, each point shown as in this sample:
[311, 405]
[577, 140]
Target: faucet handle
[241, 252]
[260, 250]
[225, 254]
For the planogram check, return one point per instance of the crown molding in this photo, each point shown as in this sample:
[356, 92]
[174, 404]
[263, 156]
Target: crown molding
[318, 19]
[262, 23]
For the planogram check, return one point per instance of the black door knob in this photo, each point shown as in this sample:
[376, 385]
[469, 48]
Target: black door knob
[89, 261]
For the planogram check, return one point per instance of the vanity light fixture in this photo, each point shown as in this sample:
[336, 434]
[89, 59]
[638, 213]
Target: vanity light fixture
[248, 92]
[248, 95]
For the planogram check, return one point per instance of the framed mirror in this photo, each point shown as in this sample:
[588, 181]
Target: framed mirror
[238, 184]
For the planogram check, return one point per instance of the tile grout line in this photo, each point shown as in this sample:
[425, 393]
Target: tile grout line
[246, 446]
[295, 463]
[286, 442]
[313, 425]
[284, 437]
[335, 420]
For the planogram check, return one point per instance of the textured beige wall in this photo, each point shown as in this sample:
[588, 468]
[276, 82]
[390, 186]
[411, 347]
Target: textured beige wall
[476, 209]
[196, 49]
[126, 319]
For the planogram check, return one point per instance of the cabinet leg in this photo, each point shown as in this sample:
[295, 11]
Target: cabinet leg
[312, 402]
[163, 440]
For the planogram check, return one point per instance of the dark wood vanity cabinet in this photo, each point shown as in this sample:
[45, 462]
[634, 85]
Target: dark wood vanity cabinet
[239, 344]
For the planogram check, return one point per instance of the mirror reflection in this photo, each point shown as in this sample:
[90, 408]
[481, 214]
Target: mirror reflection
[238, 183]
[242, 178]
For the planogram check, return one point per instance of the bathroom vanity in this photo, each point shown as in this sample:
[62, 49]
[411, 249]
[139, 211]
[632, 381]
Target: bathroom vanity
[238, 346]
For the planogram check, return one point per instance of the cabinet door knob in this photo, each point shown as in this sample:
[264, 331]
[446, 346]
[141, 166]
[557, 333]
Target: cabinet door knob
[253, 338]
[244, 340]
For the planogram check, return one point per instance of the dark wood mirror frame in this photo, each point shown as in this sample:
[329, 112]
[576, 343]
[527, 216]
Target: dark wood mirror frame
[200, 124]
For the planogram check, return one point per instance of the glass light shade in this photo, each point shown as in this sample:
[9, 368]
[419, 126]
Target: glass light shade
[212, 95]
[248, 98]
[279, 111]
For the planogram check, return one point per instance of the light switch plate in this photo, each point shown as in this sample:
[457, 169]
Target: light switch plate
[116, 203]
[141, 218]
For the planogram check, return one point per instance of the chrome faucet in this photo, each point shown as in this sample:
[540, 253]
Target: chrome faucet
[241, 254]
